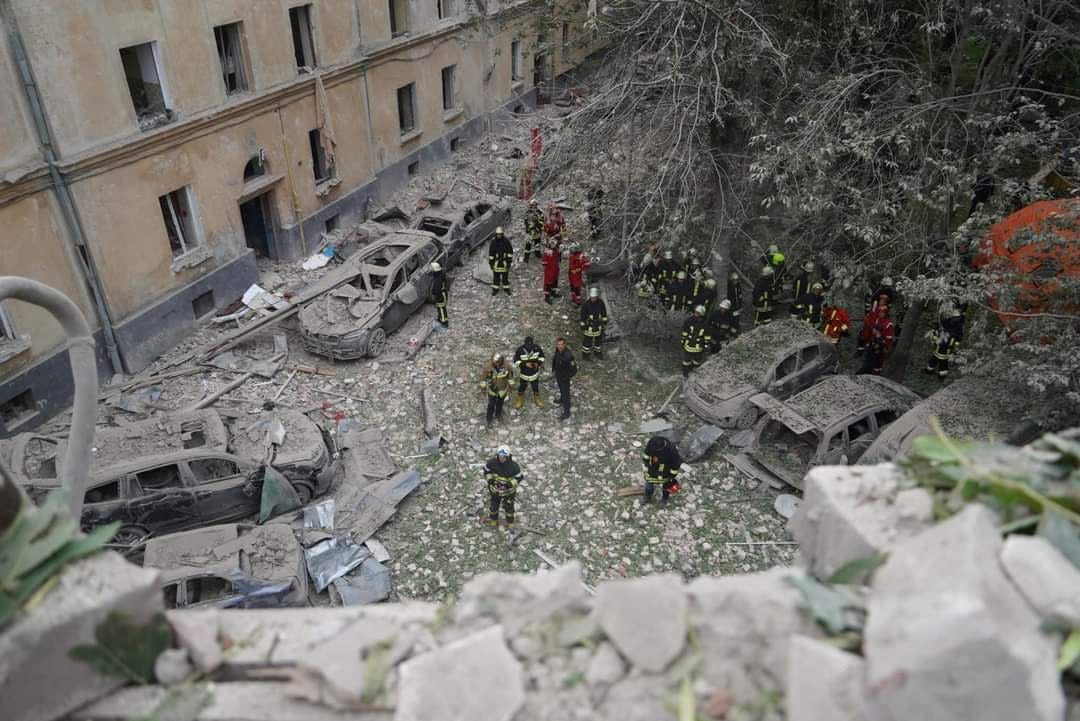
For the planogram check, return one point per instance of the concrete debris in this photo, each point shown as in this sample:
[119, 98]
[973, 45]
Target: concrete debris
[378, 550]
[474, 678]
[173, 666]
[853, 513]
[1046, 578]
[522, 602]
[655, 425]
[430, 446]
[606, 666]
[366, 455]
[949, 637]
[138, 401]
[232, 361]
[697, 444]
[197, 633]
[318, 260]
[259, 300]
[645, 618]
[367, 511]
[786, 505]
[823, 683]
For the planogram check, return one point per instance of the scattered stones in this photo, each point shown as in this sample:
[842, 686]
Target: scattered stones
[645, 618]
[474, 678]
[605, 667]
[1048, 580]
[197, 632]
[172, 666]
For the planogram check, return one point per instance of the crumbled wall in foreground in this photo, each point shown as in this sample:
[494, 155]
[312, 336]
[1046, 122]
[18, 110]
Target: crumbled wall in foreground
[952, 630]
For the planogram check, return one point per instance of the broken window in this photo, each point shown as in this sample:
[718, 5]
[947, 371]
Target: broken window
[331, 224]
[455, 145]
[104, 493]
[144, 83]
[203, 305]
[444, 8]
[810, 354]
[206, 470]
[230, 48]
[515, 61]
[207, 588]
[193, 434]
[155, 479]
[399, 21]
[179, 221]
[565, 34]
[406, 106]
[786, 367]
[449, 92]
[321, 169]
[885, 417]
[413, 168]
[438, 226]
[18, 409]
[303, 41]
[859, 428]
[168, 595]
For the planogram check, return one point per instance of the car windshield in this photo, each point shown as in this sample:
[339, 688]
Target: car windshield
[39, 458]
[782, 449]
[438, 226]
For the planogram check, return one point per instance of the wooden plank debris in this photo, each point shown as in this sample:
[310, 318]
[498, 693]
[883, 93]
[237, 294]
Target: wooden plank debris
[427, 408]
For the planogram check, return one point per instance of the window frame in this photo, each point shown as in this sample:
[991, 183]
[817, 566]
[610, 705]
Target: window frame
[318, 158]
[187, 245]
[451, 87]
[412, 128]
[398, 17]
[159, 72]
[240, 56]
[304, 32]
[516, 63]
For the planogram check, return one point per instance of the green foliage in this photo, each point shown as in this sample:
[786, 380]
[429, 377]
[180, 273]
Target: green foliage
[124, 649]
[839, 610]
[856, 569]
[1041, 481]
[39, 543]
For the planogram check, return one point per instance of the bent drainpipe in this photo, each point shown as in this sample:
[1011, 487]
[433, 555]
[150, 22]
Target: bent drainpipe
[84, 371]
[70, 211]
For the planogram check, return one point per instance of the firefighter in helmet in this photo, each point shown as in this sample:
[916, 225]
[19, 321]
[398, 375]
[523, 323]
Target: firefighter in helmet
[661, 468]
[503, 475]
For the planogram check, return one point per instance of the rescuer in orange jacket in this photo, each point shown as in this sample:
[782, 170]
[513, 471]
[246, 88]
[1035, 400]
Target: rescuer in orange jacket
[577, 266]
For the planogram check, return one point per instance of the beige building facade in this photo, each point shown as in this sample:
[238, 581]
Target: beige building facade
[152, 149]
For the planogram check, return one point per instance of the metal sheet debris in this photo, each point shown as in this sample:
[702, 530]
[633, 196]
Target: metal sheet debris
[696, 445]
[370, 584]
[320, 515]
[378, 550]
[786, 505]
[332, 559]
[375, 504]
[655, 425]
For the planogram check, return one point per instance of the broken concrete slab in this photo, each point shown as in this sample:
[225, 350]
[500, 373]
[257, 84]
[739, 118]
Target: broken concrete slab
[197, 632]
[473, 678]
[36, 646]
[519, 602]
[786, 505]
[744, 625]
[482, 271]
[605, 667]
[948, 637]
[232, 361]
[367, 511]
[697, 444]
[823, 683]
[849, 513]
[645, 618]
[366, 455]
[1046, 578]
[655, 425]
[378, 550]
[430, 446]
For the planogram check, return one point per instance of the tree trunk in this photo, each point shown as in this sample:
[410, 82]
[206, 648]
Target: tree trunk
[898, 362]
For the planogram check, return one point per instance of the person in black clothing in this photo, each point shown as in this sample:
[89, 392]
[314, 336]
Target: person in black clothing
[808, 305]
[534, 230]
[594, 321]
[763, 297]
[801, 285]
[529, 361]
[946, 339]
[500, 255]
[440, 292]
[734, 294]
[723, 325]
[565, 367]
[680, 292]
[661, 461]
[503, 476]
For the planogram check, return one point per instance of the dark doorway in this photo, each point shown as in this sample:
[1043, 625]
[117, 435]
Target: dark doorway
[258, 225]
[542, 78]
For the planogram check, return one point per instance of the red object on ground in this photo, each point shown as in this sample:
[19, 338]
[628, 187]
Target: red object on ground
[1013, 245]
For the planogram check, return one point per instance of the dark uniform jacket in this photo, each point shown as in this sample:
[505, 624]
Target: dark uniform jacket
[802, 285]
[440, 287]
[763, 293]
[681, 292]
[534, 223]
[502, 476]
[563, 364]
[724, 324]
[593, 316]
[808, 307]
[500, 253]
[704, 296]
[529, 360]
[695, 334]
[661, 460]
[734, 294]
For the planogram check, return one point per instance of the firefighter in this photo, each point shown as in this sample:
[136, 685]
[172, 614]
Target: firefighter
[661, 468]
[696, 339]
[835, 323]
[945, 339]
[534, 230]
[666, 270]
[807, 306]
[550, 262]
[866, 332]
[693, 264]
[705, 294]
[577, 266]
[495, 379]
[529, 361]
[873, 296]
[734, 293]
[650, 276]
[882, 334]
[763, 296]
[773, 258]
[503, 475]
[565, 367]
[801, 285]
[723, 325]
[440, 292]
[594, 321]
[554, 227]
[680, 292]
[500, 256]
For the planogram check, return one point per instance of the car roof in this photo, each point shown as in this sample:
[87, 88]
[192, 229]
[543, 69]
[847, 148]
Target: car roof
[837, 398]
[272, 552]
[746, 359]
[111, 472]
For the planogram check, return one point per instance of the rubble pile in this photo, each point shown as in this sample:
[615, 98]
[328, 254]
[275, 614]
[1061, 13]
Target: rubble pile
[951, 625]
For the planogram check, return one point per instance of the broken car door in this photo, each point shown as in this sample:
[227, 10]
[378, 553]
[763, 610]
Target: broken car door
[811, 368]
[483, 225]
[161, 501]
[223, 490]
[401, 298]
[784, 379]
[861, 433]
[104, 502]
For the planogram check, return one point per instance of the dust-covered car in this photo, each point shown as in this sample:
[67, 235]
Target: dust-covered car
[463, 229]
[831, 423]
[230, 566]
[303, 454]
[982, 406]
[780, 359]
[375, 292]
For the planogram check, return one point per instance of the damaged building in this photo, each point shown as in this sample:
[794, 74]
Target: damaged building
[150, 152]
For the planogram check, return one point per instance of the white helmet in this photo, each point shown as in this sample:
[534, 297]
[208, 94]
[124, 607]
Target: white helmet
[725, 304]
[435, 266]
[667, 255]
[496, 358]
[886, 282]
[503, 451]
[699, 310]
[817, 286]
[499, 230]
[533, 202]
[710, 283]
[767, 271]
[693, 251]
[733, 276]
[808, 266]
[594, 292]
[681, 275]
[774, 248]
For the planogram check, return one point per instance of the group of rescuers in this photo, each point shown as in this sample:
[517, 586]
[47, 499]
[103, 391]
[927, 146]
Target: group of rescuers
[683, 285]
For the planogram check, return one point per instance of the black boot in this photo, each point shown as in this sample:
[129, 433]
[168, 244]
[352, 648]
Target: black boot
[494, 291]
[507, 291]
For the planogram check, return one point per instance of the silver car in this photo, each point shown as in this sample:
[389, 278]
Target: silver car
[779, 359]
[463, 229]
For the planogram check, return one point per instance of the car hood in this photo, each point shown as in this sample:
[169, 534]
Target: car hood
[338, 316]
[303, 446]
[718, 390]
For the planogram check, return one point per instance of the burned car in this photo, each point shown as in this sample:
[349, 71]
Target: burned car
[780, 359]
[831, 423]
[463, 229]
[302, 456]
[230, 566]
[379, 289]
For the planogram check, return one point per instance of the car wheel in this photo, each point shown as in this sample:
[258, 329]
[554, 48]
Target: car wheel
[130, 535]
[304, 492]
[376, 342]
[746, 418]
